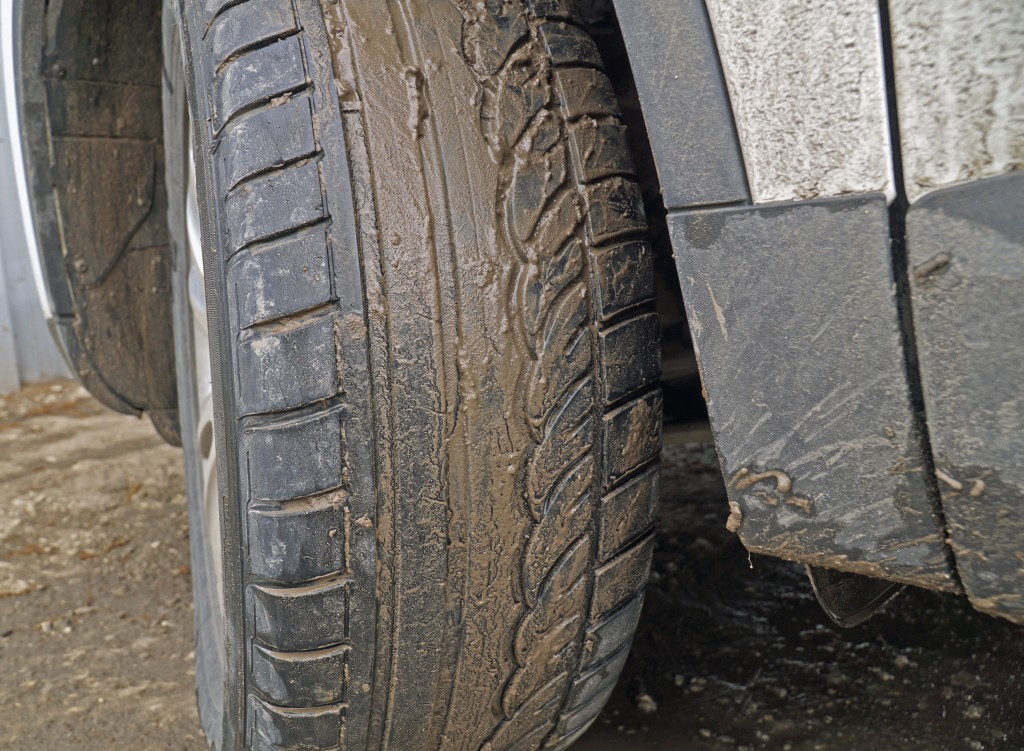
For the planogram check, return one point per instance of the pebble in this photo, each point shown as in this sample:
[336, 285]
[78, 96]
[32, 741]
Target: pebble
[646, 703]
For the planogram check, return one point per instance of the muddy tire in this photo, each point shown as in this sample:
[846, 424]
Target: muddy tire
[434, 362]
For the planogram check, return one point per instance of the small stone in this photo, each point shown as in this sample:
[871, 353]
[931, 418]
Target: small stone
[645, 703]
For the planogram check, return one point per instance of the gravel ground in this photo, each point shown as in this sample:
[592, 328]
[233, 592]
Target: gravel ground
[732, 651]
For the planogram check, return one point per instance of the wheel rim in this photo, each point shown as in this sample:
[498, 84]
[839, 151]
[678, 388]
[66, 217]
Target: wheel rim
[206, 448]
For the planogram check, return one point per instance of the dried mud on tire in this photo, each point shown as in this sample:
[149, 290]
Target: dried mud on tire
[435, 367]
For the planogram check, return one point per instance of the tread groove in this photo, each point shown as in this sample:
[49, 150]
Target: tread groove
[254, 46]
[262, 103]
[256, 245]
[298, 161]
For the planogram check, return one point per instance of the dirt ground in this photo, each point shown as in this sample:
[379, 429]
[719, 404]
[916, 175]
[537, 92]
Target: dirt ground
[732, 651]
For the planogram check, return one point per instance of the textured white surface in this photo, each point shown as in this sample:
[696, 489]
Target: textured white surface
[960, 89]
[807, 87]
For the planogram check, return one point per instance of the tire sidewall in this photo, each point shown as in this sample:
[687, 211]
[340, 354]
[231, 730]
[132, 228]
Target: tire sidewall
[211, 656]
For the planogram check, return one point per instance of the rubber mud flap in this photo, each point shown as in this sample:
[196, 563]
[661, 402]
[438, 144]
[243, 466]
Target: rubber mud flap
[435, 366]
[850, 599]
[966, 257]
[810, 404]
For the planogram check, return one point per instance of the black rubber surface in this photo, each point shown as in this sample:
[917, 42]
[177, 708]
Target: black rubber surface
[793, 310]
[89, 101]
[966, 259]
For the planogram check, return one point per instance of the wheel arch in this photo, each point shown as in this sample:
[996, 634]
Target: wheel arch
[85, 81]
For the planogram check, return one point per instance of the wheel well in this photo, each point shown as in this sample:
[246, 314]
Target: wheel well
[686, 416]
[89, 99]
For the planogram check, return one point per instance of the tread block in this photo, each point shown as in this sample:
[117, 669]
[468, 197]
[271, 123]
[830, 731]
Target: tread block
[627, 512]
[574, 721]
[615, 207]
[301, 679]
[633, 435]
[566, 741]
[585, 91]
[489, 39]
[625, 277]
[569, 435]
[537, 176]
[302, 541]
[531, 740]
[560, 221]
[294, 458]
[588, 686]
[289, 368]
[622, 577]
[609, 634]
[288, 277]
[249, 24]
[267, 139]
[273, 204]
[256, 77]
[546, 284]
[284, 728]
[569, 45]
[259, 743]
[294, 619]
[631, 355]
[600, 149]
